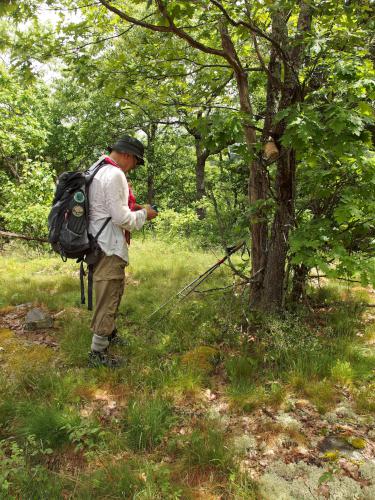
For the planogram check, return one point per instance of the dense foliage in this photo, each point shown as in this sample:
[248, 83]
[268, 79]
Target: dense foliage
[206, 85]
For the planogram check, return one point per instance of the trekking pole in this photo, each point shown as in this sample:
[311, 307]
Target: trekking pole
[190, 287]
[178, 294]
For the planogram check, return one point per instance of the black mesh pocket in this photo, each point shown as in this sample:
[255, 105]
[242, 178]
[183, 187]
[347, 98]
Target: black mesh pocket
[77, 214]
[76, 224]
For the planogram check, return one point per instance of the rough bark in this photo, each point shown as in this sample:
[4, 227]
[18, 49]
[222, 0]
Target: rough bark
[300, 274]
[274, 275]
[257, 174]
[201, 157]
[273, 285]
[151, 135]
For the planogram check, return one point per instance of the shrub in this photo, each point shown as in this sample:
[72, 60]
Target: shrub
[172, 223]
[20, 474]
[84, 434]
[28, 202]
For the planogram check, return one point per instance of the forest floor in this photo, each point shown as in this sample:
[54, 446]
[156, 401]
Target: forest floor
[214, 402]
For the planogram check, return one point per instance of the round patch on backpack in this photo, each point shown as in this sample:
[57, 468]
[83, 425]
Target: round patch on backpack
[79, 197]
[78, 211]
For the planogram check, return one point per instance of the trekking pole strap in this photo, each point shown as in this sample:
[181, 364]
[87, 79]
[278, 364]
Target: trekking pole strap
[90, 268]
[82, 281]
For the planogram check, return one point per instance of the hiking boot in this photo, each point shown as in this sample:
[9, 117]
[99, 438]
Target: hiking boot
[103, 358]
[114, 339]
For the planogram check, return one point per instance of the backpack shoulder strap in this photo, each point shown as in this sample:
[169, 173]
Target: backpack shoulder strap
[93, 170]
[102, 228]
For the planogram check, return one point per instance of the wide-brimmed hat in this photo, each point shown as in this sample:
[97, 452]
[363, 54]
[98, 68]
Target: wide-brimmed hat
[130, 145]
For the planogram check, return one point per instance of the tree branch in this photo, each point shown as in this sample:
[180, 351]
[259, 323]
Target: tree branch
[275, 82]
[5, 234]
[172, 28]
[254, 29]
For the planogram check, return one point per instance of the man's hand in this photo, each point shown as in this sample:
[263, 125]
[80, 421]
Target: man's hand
[151, 213]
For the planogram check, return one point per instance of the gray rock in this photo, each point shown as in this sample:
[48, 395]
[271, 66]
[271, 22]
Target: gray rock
[340, 445]
[37, 319]
[332, 443]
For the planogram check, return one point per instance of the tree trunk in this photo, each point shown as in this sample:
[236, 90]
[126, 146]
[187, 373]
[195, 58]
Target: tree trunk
[150, 186]
[258, 230]
[274, 275]
[258, 181]
[257, 187]
[271, 297]
[201, 157]
[300, 274]
[151, 134]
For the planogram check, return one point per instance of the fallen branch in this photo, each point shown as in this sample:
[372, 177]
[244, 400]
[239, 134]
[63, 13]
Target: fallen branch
[317, 276]
[5, 234]
[333, 304]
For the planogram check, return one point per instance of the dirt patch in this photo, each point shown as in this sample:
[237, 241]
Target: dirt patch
[13, 318]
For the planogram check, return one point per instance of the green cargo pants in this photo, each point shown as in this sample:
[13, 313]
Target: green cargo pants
[109, 282]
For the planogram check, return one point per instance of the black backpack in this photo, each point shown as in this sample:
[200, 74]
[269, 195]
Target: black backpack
[68, 223]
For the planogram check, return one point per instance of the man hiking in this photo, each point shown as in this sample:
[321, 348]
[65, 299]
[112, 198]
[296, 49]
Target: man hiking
[109, 198]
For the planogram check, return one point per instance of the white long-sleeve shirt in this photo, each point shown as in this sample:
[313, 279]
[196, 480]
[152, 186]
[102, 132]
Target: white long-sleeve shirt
[109, 197]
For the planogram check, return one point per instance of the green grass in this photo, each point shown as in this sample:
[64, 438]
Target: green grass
[49, 424]
[146, 422]
[208, 342]
[42, 279]
[242, 371]
[206, 449]
[75, 342]
[250, 397]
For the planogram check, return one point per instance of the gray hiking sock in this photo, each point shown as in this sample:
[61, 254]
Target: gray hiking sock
[99, 343]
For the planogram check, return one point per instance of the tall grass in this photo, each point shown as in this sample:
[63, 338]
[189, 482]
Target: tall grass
[146, 422]
[206, 449]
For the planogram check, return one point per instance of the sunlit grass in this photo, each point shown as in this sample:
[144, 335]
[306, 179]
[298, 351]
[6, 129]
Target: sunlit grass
[206, 342]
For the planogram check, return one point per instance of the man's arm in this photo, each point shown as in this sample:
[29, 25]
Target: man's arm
[116, 193]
